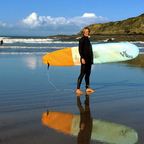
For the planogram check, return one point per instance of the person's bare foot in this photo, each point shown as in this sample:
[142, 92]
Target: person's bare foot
[89, 90]
[88, 93]
[79, 92]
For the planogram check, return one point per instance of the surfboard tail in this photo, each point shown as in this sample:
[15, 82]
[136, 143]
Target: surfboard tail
[59, 121]
[59, 58]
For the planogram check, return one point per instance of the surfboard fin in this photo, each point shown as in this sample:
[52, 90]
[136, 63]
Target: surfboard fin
[47, 111]
[48, 66]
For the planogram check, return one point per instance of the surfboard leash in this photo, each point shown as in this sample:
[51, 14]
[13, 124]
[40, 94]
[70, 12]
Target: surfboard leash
[58, 90]
[48, 101]
[48, 66]
[49, 78]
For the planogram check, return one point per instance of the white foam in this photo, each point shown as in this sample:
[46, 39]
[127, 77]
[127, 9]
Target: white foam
[19, 40]
[134, 42]
[141, 47]
[23, 53]
[34, 40]
[28, 47]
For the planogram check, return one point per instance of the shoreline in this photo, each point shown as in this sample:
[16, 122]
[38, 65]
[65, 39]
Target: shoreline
[102, 37]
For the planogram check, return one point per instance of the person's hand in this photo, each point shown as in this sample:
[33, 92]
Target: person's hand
[83, 61]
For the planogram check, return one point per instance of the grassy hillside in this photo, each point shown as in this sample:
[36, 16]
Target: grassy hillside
[133, 25]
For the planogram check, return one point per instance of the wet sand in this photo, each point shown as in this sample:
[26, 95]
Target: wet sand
[28, 89]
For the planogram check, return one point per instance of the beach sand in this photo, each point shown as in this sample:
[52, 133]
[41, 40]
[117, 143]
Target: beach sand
[28, 89]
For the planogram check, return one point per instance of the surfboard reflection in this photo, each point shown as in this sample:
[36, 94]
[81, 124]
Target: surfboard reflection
[87, 128]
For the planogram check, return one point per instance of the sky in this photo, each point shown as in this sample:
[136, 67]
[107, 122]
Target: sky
[67, 17]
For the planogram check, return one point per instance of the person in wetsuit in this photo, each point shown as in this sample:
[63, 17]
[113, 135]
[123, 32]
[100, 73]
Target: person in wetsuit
[2, 42]
[86, 58]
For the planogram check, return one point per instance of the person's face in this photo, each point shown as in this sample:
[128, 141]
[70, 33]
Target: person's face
[86, 33]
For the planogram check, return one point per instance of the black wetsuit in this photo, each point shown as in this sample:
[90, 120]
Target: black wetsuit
[85, 50]
[1, 42]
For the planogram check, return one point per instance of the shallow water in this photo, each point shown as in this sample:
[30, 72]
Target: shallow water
[26, 84]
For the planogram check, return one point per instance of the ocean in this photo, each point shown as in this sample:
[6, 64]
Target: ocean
[42, 45]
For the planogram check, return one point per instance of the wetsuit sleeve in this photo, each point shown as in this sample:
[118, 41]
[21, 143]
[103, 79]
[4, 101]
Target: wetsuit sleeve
[81, 51]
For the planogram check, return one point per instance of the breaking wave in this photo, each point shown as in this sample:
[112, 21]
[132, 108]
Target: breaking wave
[9, 40]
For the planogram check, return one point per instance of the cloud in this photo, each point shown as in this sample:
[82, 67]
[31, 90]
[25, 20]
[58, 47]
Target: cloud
[89, 15]
[35, 21]
[87, 19]
[53, 25]
[2, 24]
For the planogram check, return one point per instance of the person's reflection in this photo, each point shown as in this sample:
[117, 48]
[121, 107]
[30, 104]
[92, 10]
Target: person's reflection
[85, 121]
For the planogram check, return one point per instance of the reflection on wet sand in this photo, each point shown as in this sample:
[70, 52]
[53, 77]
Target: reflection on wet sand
[137, 62]
[85, 131]
[86, 128]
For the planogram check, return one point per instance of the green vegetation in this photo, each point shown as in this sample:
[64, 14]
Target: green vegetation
[131, 29]
[133, 25]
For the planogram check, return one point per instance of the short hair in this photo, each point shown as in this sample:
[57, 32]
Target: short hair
[85, 29]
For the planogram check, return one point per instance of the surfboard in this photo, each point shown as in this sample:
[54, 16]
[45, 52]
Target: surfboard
[102, 53]
[102, 131]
